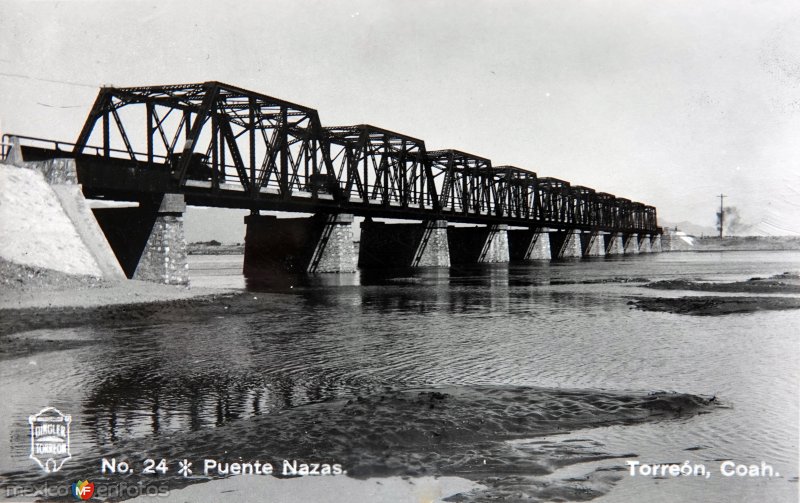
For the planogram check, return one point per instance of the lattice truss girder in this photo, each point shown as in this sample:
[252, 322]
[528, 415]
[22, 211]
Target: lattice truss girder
[235, 139]
[377, 165]
[583, 209]
[464, 182]
[211, 131]
[606, 210]
[553, 200]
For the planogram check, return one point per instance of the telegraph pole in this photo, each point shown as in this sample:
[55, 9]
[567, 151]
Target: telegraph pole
[721, 214]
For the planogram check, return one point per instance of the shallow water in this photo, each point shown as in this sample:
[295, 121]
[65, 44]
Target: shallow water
[303, 341]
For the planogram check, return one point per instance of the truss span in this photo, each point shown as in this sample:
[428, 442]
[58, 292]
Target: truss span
[221, 145]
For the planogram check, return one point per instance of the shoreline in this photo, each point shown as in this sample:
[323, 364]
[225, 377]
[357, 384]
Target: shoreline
[28, 288]
[746, 243]
[127, 293]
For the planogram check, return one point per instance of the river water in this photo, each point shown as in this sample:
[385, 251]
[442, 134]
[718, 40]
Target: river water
[544, 324]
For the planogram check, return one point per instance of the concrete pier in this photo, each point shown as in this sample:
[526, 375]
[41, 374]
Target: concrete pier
[615, 244]
[475, 245]
[148, 241]
[319, 244]
[592, 244]
[565, 244]
[528, 244]
[403, 245]
[631, 244]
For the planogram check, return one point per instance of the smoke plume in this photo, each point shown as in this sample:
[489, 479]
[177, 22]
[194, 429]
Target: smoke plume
[732, 222]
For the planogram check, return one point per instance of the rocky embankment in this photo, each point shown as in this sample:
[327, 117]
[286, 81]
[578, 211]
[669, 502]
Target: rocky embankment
[16, 277]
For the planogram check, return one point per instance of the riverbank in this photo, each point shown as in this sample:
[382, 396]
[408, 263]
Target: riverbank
[26, 287]
[214, 248]
[747, 243]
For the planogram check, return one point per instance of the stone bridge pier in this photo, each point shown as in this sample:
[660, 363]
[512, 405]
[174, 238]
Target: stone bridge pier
[631, 246]
[655, 243]
[644, 243]
[615, 244]
[475, 245]
[592, 244]
[148, 240]
[403, 245]
[565, 244]
[528, 244]
[319, 244]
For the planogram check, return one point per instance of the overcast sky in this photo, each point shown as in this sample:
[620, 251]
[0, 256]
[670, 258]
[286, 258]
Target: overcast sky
[668, 103]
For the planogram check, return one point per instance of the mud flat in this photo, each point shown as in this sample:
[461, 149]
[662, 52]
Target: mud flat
[32, 298]
[26, 287]
[786, 283]
[470, 433]
[715, 306]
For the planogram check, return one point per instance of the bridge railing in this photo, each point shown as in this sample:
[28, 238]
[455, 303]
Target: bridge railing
[9, 141]
[59, 148]
[5, 147]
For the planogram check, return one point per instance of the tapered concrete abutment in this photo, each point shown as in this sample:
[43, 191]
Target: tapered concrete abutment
[528, 244]
[386, 246]
[319, 244]
[615, 244]
[477, 245]
[592, 244]
[565, 244]
[148, 240]
[631, 244]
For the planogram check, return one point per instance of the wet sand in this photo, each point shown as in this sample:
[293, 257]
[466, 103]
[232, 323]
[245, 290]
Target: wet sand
[782, 283]
[715, 306]
[495, 436]
[33, 298]
[25, 287]
[786, 283]
[256, 489]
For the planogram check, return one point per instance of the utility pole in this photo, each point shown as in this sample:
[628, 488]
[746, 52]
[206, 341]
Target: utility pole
[721, 214]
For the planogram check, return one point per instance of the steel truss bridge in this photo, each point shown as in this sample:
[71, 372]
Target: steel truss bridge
[223, 146]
